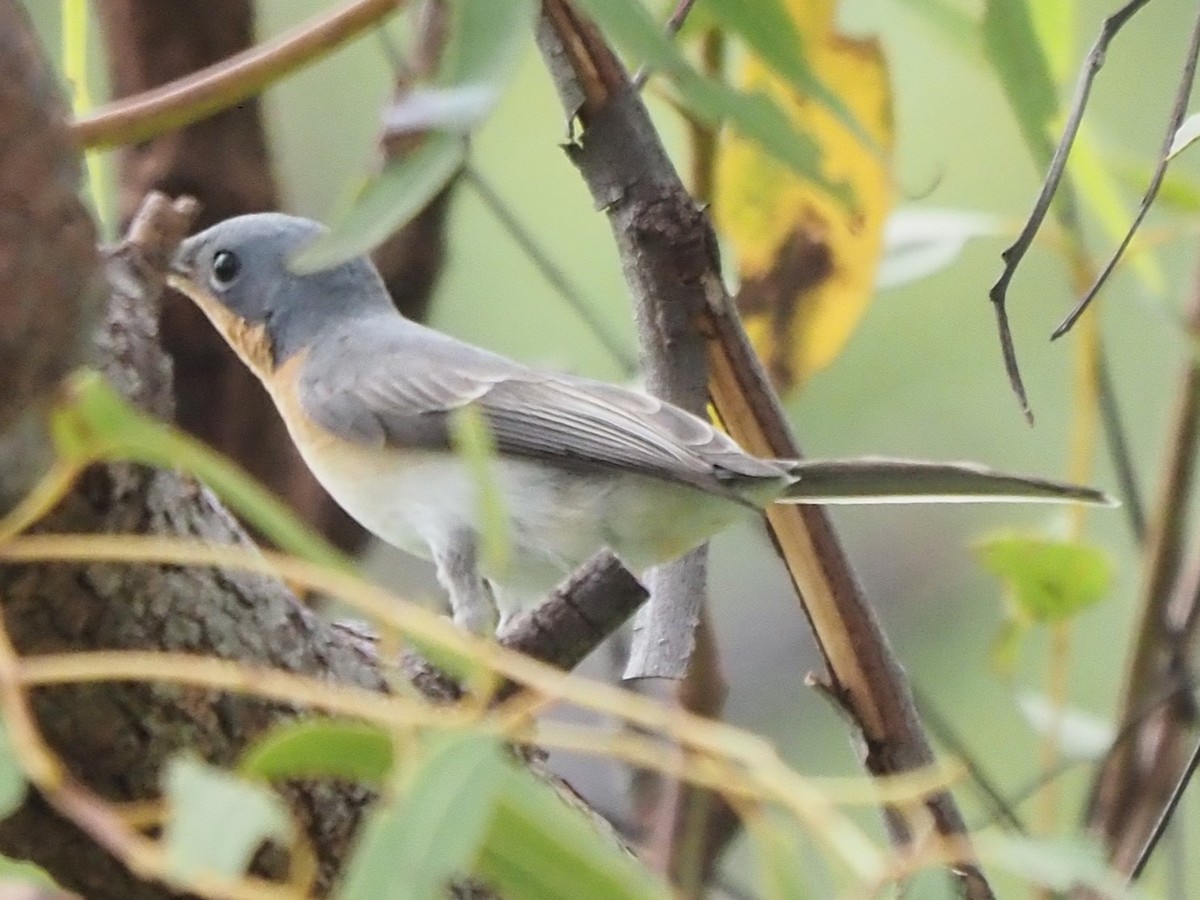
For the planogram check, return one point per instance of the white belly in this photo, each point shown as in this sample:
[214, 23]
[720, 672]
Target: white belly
[553, 520]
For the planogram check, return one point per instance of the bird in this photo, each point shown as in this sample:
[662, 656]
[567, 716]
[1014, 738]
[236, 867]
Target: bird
[371, 400]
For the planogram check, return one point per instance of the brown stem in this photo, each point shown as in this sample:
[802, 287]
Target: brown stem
[1136, 777]
[228, 82]
[619, 151]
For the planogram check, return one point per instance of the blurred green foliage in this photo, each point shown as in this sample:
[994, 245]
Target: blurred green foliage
[921, 377]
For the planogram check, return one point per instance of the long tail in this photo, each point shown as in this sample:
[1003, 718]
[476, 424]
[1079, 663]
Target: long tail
[877, 479]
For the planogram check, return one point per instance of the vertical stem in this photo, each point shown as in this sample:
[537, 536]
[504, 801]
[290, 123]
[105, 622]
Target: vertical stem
[1084, 437]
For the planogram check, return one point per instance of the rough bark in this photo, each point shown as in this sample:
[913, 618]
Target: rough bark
[39, 173]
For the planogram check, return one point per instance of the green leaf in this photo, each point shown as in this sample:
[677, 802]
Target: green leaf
[1049, 581]
[97, 424]
[779, 850]
[474, 443]
[1056, 863]
[13, 785]
[1081, 734]
[217, 821]
[404, 187]
[538, 848]
[479, 58]
[1098, 187]
[955, 25]
[1179, 191]
[771, 33]
[485, 42]
[332, 748]
[756, 116]
[1011, 44]
[431, 831]
[1054, 25]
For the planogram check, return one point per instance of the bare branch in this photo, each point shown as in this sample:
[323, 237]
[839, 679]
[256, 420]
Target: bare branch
[1013, 255]
[1132, 785]
[1178, 110]
[622, 160]
[226, 83]
[668, 257]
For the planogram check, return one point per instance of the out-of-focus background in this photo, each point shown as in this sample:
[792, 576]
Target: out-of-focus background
[922, 375]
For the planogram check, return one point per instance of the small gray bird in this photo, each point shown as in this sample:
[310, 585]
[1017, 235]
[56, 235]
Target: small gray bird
[370, 398]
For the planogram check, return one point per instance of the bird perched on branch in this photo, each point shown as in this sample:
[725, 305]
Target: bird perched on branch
[372, 399]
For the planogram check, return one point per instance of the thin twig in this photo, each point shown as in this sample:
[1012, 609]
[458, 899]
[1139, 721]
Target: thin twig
[551, 271]
[1160, 826]
[1182, 95]
[1118, 449]
[940, 728]
[674, 23]
[228, 82]
[1180, 625]
[1013, 255]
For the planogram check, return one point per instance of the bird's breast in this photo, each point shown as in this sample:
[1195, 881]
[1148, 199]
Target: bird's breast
[554, 518]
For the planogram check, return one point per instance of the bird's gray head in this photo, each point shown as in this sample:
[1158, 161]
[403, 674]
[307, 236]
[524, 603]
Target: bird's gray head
[238, 272]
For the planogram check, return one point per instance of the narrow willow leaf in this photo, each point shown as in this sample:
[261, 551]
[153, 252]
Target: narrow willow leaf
[475, 445]
[779, 853]
[326, 748]
[1054, 25]
[96, 424]
[755, 116]
[404, 187]
[771, 33]
[430, 832]
[949, 20]
[538, 848]
[480, 56]
[1061, 864]
[13, 785]
[216, 821]
[1097, 185]
[1011, 44]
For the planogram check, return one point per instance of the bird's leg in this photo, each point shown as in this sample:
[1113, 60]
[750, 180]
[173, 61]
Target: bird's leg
[471, 599]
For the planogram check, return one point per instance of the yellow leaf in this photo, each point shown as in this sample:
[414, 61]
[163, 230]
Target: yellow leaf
[807, 262]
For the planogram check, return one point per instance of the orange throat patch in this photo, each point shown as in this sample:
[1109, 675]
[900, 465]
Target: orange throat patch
[250, 342]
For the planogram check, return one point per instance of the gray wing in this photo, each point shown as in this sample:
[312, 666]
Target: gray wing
[395, 383]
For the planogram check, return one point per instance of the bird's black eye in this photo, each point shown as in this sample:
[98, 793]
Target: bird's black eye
[225, 268]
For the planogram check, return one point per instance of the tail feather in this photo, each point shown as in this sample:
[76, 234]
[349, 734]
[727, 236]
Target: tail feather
[872, 479]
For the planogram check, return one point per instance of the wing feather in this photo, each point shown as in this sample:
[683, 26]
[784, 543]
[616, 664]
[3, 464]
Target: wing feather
[396, 383]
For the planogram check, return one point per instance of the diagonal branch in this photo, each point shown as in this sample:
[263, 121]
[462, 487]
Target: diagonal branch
[619, 154]
[1131, 786]
[228, 82]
